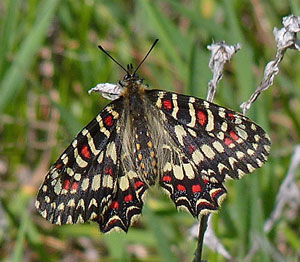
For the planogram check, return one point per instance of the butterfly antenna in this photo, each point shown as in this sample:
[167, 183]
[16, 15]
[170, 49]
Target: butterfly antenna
[105, 52]
[155, 42]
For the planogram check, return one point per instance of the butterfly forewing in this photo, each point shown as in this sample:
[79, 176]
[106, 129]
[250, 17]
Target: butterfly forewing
[81, 184]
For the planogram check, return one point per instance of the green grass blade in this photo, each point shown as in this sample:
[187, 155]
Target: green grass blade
[195, 16]
[12, 80]
[117, 246]
[158, 22]
[19, 248]
[8, 30]
[156, 224]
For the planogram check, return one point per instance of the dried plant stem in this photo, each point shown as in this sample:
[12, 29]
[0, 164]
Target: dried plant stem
[285, 37]
[220, 54]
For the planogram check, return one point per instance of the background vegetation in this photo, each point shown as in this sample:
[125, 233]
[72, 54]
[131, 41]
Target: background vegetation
[48, 61]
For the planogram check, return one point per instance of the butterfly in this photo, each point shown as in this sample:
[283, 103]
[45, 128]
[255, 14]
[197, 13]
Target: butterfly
[187, 145]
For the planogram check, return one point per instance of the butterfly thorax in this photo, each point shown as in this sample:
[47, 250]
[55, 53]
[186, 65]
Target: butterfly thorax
[137, 137]
[133, 93]
[131, 85]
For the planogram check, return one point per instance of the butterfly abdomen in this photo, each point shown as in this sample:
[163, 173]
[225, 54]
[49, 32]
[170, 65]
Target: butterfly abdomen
[139, 139]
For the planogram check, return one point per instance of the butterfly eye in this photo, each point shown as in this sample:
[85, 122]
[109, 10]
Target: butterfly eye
[127, 77]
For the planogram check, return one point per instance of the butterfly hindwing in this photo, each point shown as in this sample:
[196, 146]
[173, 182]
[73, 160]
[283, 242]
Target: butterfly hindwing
[185, 185]
[138, 165]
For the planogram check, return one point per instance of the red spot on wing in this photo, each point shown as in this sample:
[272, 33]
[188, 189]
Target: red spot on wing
[111, 222]
[213, 195]
[108, 120]
[138, 184]
[58, 166]
[128, 198]
[114, 205]
[108, 171]
[231, 116]
[202, 118]
[228, 141]
[206, 204]
[206, 181]
[85, 151]
[192, 148]
[74, 186]
[234, 135]
[167, 104]
[181, 187]
[67, 184]
[167, 179]
[196, 188]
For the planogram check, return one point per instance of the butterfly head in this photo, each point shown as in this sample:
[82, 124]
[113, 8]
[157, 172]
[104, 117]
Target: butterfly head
[131, 74]
[131, 81]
